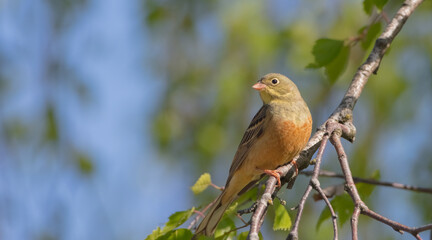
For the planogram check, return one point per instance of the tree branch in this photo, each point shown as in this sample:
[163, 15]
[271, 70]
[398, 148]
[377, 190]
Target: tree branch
[342, 114]
[325, 173]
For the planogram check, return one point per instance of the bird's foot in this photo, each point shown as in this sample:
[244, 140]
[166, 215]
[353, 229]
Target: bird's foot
[294, 163]
[274, 173]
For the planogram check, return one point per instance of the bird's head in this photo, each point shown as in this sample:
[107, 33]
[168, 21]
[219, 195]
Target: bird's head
[275, 86]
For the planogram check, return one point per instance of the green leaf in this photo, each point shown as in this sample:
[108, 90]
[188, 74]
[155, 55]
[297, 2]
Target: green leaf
[325, 214]
[203, 237]
[313, 65]
[155, 234]
[368, 6]
[178, 234]
[282, 220]
[250, 195]
[342, 205]
[177, 219]
[224, 226]
[174, 221]
[338, 65]
[380, 4]
[325, 51]
[202, 183]
[245, 200]
[232, 209]
[243, 236]
[371, 35]
[365, 190]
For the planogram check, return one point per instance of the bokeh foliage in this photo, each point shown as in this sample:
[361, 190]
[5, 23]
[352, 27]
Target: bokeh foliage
[210, 63]
[44, 129]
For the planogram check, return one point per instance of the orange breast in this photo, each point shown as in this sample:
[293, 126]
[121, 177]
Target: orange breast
[285, 141]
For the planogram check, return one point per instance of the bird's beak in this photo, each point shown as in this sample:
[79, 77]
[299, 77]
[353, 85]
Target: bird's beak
[259, 86]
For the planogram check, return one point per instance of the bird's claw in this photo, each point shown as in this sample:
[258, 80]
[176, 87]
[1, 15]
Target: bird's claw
[276, 174]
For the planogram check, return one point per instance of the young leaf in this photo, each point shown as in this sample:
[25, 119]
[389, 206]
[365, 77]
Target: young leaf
[177, 219]
[371, 35]
[243, 236]
[342, 205]
[201, 184]
[338, 65]
[380, 4]
[365, 190]
[249, 196]
[282, 220]
[232, 209]
[325, 214]
[225, 225]
[202, 237]
[178, 234]
[325, 51]
[155, 234]
[368, 6]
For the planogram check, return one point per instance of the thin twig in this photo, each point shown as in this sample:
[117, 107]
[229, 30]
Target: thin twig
[235, 229]
[325, 173]
[293, 235]
[241, 218]
[247, 210]
[217, 187]
[198, 216]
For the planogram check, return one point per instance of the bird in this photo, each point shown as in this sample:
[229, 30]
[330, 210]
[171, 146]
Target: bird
[276, 134]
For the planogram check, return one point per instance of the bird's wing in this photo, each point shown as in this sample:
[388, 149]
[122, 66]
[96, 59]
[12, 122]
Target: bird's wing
[253, 133]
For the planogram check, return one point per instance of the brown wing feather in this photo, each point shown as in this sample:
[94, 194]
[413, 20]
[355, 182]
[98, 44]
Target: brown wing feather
[253, 132]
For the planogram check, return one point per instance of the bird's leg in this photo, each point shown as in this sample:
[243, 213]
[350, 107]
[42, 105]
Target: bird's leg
[274, 173]
[294, 163]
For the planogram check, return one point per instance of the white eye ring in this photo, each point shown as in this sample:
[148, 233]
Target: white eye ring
[275, 81]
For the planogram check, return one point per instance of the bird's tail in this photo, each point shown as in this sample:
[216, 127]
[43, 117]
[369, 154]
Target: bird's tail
[208, 225]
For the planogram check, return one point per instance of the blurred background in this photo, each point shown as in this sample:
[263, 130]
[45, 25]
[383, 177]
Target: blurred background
[110, 110]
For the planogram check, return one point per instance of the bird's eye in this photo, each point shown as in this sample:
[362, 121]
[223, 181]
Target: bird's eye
[275, 81]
